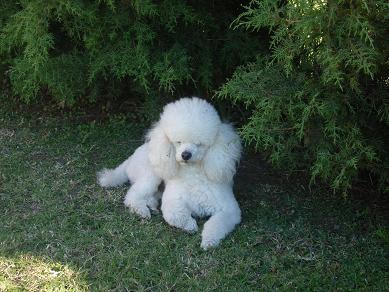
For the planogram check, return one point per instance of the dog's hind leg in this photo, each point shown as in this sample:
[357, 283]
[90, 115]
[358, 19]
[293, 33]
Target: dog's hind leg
[140, 197]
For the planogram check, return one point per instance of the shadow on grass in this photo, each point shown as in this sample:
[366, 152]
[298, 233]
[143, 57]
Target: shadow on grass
[55, 220]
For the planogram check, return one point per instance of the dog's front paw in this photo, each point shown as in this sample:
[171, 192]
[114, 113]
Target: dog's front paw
[207, 243]
[142, 212]
[186, 223]
[140, 209]
[191, 226]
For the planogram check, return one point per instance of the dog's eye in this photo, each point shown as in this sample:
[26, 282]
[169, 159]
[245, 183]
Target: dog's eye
[198, 144]
[178, 142]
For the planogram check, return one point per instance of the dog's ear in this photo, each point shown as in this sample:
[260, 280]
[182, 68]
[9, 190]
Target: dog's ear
[161, 153]
[222, 157]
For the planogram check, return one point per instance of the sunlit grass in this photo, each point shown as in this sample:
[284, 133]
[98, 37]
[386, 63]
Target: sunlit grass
[28, 272]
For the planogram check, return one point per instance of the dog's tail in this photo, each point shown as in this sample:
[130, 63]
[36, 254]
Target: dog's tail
[113, 177]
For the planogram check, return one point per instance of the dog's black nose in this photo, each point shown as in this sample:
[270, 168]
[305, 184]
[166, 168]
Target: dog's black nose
[186, 155]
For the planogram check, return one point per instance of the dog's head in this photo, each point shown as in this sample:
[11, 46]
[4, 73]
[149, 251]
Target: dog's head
[190, 132]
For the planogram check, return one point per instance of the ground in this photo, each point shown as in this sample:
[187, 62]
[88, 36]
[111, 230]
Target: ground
[60, 231]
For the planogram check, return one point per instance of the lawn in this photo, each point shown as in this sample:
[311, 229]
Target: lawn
[60, 231]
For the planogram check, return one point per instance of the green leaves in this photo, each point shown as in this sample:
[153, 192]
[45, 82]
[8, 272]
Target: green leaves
[311, 76]
[173, 69]
[70, 48]
[28, 31]
[330, 120]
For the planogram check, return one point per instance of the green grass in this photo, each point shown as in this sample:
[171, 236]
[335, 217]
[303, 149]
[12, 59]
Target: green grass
[60, 231]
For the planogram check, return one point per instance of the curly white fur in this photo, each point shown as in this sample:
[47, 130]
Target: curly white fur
[143, 193]
[196, 156]
[200, 186]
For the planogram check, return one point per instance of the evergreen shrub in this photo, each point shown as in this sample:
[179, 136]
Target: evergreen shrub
[79, 49]
[312, 74]
[319, 101]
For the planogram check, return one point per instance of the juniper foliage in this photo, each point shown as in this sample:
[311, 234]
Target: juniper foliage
[316, 92]
[73, 49]
[319, 100]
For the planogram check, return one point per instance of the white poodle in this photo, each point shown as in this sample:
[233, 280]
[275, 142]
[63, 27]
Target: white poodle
[195, 154]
